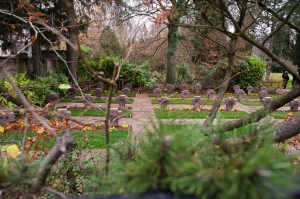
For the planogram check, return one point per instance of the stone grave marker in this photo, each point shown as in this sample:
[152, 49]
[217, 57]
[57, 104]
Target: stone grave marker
[87, 85]
[210, 94]
[169, 88]
[263, 88]
[157, 93]
[63, 112]
[185, 94]
[52, 99]
[100, 85]
[236, 88]
[197, 101]
[6, 117]
[128, 85]
[154, 86]
[98, 92]
[240, 94]
[263, 94]
[266, 100]
[294, 105]
[229, 102]
[122, 99]
[114, 116]
[183, 87]
[88, 99]
[126, 91]
[197, 88]
[71, 92]
[249, 90]
[164, 102]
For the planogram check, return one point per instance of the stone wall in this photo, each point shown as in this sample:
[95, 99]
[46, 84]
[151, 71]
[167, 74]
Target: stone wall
[15, 66]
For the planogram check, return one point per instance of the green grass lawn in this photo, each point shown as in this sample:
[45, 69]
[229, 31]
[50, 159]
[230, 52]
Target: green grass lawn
[177, 95]
[167, 114]
[88, 140]
[79, 100]
[281, 115]
[96, 112]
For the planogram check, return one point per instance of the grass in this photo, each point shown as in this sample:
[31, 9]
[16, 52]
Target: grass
[87, 140]
[179, 101]
[174, 114]
[79, 100]
[176, 95]
[96, 112]
[281, 115]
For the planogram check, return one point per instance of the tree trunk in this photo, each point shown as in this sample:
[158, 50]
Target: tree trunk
[36, 56]
[172, 54]
[288, 129]
[270, 60]
[224, 86]
[70, 56]
[4, 93]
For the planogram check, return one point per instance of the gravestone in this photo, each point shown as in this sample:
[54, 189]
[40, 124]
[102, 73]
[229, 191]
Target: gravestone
[249, 90]
[197, 88]
[128, 85]
[88, 99]
[52, 99]
[240, 94]
[169, 88]
[114, 116]
[229, 102]
[64, 113]
[210, 94]
[196, 101]
[154, 86]
[98, 92]
[71, 92]
[100, 85]
[122, 99]
[236, 88]
[157, 93]
[6, 117]
[294, 105]
[263, 88]
[183, 87]
[263, 94]
[126, 91]
[266, 100]
[185, 94]
[164, 102]
[87, 85]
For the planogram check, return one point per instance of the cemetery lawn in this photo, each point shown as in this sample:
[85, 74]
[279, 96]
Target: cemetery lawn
[79, 100]
[188, 114]
[96, 112]
[188, 101]
[86, 140]
[281, 115]
[177, 95]
[253, 103]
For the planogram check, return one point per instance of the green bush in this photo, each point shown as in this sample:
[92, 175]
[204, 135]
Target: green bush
[37, 90]
[251, 71]
[183, 74]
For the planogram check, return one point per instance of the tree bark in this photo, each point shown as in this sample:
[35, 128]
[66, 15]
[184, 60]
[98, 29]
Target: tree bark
[70, 57]
[172, 54]
[288, 129]
[36, 56]
[224, 86]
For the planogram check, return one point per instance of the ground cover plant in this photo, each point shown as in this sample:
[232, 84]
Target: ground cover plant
[96, 112]
[176, 95]
[105, 94]
[187, 113]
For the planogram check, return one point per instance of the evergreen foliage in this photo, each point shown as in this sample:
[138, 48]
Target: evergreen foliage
[183, 162]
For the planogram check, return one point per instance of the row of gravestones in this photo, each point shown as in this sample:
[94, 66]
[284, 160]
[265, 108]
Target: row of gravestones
[88, 85]
[169, 88]
[185, 93]
[71, 93]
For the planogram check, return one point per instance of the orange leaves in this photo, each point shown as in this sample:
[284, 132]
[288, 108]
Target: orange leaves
[13, 27]
[32, 38]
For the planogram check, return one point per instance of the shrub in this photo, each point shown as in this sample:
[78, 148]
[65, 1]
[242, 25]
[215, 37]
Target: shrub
[183, 74]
